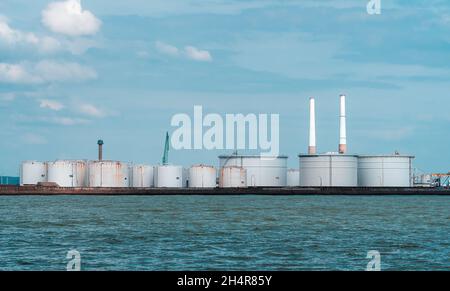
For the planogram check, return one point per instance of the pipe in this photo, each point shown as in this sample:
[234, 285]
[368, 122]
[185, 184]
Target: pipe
[342, 127]
[312, 126]
[100, 149]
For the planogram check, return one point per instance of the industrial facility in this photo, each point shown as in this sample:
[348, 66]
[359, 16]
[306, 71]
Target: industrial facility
[319, 170]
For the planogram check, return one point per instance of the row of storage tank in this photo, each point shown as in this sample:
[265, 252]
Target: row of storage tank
[325, 170]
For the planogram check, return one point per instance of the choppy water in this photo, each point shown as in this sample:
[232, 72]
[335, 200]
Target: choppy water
[225, 232]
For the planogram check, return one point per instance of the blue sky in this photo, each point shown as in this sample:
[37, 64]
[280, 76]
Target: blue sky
[128, 66]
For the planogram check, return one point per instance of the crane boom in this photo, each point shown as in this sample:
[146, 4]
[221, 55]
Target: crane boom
[165, 158]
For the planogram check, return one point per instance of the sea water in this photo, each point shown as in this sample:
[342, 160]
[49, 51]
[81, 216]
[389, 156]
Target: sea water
[225, 232]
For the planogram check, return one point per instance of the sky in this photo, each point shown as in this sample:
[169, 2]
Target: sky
[73, 72]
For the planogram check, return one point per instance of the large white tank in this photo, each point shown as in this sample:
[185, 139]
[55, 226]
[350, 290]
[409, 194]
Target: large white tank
[109, 174]
[293, 178]
[67, 173]
[385, 171]
[260, 171]
[169, 176]
[142, 176]
[33, 172]
[201, 176]
[233, 177]
[328, 170]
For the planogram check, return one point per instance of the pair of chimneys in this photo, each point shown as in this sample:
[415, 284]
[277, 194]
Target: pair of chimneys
[312, 150]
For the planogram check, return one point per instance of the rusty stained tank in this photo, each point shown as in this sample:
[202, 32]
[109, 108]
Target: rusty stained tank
[202, 176]
[233, 177]
[67, 173]
[142, 176]
[109, 174]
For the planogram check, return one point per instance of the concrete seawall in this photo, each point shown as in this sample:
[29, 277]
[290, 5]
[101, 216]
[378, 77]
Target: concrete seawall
[42, 190]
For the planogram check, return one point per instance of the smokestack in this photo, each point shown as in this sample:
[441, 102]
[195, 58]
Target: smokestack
[100, 149]
[312, 126]
[343, 127]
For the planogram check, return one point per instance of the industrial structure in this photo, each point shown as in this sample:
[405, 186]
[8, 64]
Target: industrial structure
[201, 176]
[67, 173]
[111, 174]
[261, 171]
[142, 176]
[233, 177]
[346, 170]
[33, 172]
[385, 171]
[326, 170]
[293, 178]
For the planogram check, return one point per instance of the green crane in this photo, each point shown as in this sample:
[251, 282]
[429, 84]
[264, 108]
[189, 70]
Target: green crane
[165, 158]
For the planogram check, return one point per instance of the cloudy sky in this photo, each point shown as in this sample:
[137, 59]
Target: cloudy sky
[71, 73]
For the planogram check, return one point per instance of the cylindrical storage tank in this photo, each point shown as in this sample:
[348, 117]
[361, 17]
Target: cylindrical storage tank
[201, 176]
[293, 178]
[109, 174]
[33, 172]
[142, 176]
[67, 173]
[233, 177]
[260, 171]
[169, 176]
[385, 171]
[328, 170]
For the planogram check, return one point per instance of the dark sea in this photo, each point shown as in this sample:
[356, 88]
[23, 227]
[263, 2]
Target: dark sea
[225, 232]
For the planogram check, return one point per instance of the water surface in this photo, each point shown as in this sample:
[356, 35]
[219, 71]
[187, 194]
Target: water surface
[225, 232]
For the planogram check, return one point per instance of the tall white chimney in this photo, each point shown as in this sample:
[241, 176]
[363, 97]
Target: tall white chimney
[312, 126]
[343, 127]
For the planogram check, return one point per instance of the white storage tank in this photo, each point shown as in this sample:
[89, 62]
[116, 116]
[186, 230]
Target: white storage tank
[293, 178]
[201, 176]
[233, 177]
[169, 176]
[260, 171]
[67, 173]
[33, 172]
[109, 174]
[328, 170]
[385, 171]
[142, 176]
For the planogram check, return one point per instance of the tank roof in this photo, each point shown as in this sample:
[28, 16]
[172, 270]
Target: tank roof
[327, 155]
[251, 156]
[386, 156]
[201, 166]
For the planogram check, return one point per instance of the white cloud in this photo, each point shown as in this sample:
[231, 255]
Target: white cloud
[90, 110]
[166, 48]
[44, 72]
[64, 71]
[68, 121]
[32, 138]
[51, 104]
[13, 37]
[189, 52]
[16, 73]
[69, 18]
[197, 54]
